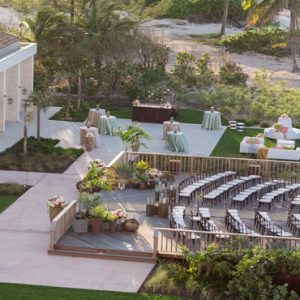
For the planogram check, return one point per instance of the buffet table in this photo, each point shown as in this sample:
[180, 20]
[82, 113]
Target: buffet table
[153, 113]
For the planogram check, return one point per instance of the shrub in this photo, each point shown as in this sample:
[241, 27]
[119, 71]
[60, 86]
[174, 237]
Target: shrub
[264, 125]
[270, 40]
[232, 74]
[251, 122]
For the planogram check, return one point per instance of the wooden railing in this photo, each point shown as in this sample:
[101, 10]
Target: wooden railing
[167, 241]
[119, 158]
[271, 169]
[61, 223]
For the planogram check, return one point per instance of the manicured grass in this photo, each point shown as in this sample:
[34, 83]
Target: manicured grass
[28, 292]
[229, 144]
[42, 156]
[6, 201]
[9, 193]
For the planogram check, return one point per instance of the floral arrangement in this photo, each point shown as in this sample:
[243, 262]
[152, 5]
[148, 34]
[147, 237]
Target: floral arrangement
[56, 202]
[97, 163]
[119, 213]
[154, 173]
[285, 116]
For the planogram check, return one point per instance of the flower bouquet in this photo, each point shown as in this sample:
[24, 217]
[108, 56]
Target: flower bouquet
[55, 205]
[119, 213]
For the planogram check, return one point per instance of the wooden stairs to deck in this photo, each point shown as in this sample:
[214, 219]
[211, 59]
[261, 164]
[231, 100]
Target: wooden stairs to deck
[136, 256]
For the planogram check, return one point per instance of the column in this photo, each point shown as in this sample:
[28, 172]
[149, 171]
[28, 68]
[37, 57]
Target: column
[26, 79]
[12, 100]
[2, 101]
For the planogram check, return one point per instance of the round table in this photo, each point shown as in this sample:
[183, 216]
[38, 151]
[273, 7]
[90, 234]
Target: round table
[94, 116]
[83, 133]
[170, 126]
[211, 120]
[176, 141]
[108, 125]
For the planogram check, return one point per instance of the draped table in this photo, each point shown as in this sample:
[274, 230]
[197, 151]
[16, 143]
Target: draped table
[170, 126]
[84, 132]
[176, 141]
[108, 125]
[211, 120]
[94, 116]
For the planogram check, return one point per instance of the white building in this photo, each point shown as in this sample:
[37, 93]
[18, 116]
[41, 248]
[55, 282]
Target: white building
[16, 76]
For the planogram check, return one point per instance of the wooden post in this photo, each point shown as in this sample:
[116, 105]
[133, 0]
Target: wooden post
[155, 242]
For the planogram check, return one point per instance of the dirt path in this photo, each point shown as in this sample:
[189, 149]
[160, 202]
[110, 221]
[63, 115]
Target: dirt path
[176, 35]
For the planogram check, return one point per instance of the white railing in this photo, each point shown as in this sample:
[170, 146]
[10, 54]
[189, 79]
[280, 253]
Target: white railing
[168, 241]
[61, 223]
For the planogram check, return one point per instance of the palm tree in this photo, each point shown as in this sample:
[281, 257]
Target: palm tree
[225, 16]
[27, 119]
[40, 100]
[263, 11]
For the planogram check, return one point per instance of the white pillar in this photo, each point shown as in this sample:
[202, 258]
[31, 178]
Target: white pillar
[12, 91]
[26, 79]
[2, 101]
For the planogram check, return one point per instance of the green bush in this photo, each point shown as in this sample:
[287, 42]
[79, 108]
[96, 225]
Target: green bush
[251, 122]
[10, 189]
[232, 74]
[264, 125]
[270, 40]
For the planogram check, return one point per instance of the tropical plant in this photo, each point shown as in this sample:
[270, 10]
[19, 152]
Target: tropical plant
[232, 74]
[132, 137]
[264, 11]
[88, 201]
[27, 119]
[41, 100]
[124, 170]
[99, 212]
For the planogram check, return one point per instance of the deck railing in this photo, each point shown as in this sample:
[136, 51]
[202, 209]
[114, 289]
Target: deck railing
[168, 241]
[61, 223]
[177, 163]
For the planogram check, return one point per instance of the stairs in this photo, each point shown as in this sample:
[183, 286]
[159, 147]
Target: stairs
[135, 256]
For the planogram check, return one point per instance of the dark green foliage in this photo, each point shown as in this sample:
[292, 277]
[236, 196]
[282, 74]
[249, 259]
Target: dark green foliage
[232, 74]
[251, 122]
[264, 125]
[270, 40]
[42, 156]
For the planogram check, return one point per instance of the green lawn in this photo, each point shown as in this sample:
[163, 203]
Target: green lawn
[229, 144]
[28, 292]
[6, 201]
[209, 39]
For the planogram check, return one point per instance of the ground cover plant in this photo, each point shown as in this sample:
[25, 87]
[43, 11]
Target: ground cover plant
[216, 273]
[9, 193]
[42, 156]
[29, 292]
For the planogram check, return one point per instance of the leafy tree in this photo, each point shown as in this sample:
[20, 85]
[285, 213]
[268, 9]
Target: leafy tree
[264, 11]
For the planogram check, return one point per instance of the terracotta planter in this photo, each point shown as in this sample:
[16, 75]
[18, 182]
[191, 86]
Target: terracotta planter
[131, 225]
[96, 225]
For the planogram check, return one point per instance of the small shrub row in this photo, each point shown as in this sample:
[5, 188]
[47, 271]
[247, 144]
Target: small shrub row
[11, 189]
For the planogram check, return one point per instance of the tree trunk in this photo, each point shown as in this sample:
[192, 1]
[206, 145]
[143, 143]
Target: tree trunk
[38, 123]
[225, 16]
[79, 91]
[25, 137]
[293, 24]
[69, 98]
[72, 12]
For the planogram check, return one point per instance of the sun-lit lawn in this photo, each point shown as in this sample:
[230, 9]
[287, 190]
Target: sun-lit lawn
[28, 292]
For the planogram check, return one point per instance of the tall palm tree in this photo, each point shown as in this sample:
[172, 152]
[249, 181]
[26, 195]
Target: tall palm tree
[27, 119]
[263, 11]
[225, 16]
[40, 100]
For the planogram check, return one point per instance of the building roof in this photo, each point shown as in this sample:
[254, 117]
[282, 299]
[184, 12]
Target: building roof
[7, 40]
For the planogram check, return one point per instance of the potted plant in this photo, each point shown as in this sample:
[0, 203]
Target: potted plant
[124, 171]
[130, 225]
[112, 219]
[80, 222]
[142, 168]
[132, 137]
[95, 180]
[99, 213]
[55, 205]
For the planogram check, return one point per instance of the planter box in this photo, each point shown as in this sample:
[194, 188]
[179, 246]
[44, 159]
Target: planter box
[80, 225]
[292, 281]
[163, 210]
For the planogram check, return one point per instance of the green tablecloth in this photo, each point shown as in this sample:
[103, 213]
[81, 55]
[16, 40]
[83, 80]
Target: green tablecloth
[177, 141]
[211, 120]
[108, 125]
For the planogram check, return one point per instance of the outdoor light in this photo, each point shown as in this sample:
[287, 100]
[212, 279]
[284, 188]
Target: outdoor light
[10, 100]
[24, 90]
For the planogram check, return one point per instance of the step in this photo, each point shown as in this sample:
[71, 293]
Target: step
[101, 255]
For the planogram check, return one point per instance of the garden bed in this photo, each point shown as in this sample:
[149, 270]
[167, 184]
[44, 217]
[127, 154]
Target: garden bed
[9, 193]
[42, 156]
